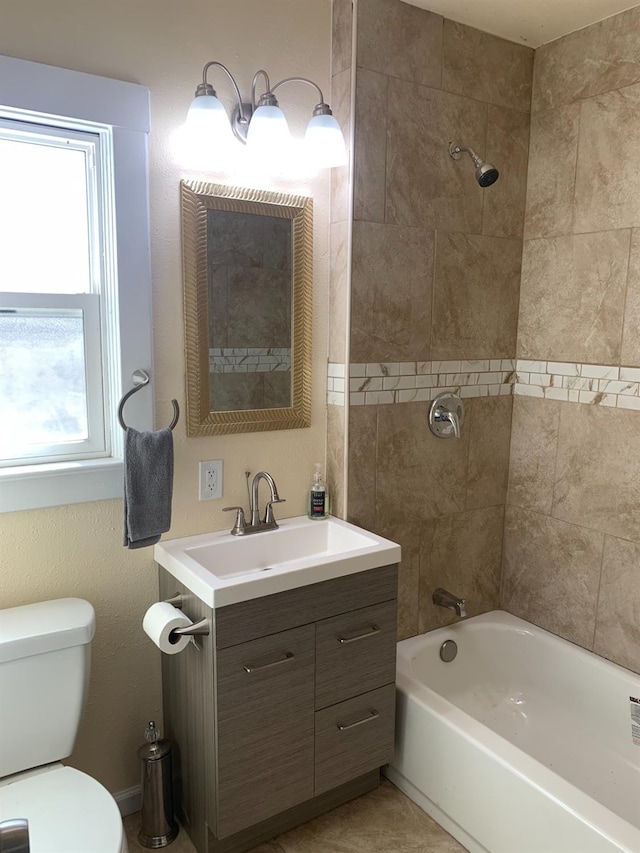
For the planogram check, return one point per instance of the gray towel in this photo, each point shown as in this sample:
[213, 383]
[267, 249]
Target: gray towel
[148, 484]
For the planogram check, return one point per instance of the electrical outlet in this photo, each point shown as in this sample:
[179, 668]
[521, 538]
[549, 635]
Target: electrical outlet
[211, 480]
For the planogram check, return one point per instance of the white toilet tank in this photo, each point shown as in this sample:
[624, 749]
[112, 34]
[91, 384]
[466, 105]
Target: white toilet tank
[45, 655]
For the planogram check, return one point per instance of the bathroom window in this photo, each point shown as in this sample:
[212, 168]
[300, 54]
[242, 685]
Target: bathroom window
[74, 280]
[54, 270]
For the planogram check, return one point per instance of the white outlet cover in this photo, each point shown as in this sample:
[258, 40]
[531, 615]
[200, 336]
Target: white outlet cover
[210, 480]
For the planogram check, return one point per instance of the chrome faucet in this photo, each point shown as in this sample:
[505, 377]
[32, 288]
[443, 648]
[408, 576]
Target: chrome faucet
[255, 506]
[442, 598]
[241, 528]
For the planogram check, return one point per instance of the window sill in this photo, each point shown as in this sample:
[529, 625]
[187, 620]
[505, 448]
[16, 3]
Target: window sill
[37, 486]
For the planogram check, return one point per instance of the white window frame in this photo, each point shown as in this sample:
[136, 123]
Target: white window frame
[43, 94]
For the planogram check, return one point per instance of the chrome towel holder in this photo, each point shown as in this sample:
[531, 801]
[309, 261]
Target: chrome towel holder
[140, 378]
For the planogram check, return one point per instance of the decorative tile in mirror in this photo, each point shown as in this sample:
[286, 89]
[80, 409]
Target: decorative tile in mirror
[247, 266]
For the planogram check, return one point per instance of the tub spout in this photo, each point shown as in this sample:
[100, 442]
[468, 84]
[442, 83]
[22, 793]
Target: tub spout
[442, 598]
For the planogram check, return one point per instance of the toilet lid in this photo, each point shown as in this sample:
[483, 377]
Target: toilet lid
[68, 811]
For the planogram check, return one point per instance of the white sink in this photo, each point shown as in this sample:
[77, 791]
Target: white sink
[222, 569]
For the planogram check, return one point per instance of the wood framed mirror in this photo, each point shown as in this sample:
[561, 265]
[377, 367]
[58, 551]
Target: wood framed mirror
[247, 279]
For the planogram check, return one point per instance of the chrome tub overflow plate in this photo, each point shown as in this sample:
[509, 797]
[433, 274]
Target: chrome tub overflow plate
[448, 650]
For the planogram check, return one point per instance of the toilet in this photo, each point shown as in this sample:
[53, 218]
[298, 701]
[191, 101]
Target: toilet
[45, 656]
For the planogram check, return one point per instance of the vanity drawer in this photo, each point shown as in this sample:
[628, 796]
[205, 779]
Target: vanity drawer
[355, 653]
[354, 737]
[265, 734]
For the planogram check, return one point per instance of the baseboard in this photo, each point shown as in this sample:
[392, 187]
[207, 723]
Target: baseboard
[129, 801]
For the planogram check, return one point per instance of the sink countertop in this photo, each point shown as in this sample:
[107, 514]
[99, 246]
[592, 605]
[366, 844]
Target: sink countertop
[222, 569]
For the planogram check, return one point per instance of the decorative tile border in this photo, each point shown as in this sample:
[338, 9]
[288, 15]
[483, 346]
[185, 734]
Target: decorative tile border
[600, 385]
[415, 381]
[418, 381]
[249, 359]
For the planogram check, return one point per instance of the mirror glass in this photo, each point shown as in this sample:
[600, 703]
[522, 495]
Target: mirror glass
[249, 302]
[247, 292]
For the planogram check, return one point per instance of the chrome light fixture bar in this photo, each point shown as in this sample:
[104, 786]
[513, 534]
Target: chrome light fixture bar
[261, 124]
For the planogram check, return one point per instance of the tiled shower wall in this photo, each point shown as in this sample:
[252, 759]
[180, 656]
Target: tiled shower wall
[572, 533]
[433, 267]
[434, 272]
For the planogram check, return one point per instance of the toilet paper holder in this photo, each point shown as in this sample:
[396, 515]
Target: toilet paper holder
[198, 629]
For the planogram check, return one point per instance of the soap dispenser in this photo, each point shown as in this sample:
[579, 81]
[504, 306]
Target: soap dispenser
[318, 496]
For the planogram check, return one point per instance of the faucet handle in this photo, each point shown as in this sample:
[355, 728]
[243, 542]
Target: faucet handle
[453, 419]
[240, 524]
[268, 515]
[446, 415]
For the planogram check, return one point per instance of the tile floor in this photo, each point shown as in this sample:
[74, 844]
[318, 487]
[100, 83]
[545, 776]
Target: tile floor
[384, 821]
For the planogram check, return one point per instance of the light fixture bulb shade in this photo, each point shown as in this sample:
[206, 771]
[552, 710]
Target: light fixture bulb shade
[208, 118]
[325, 143]
[268, 134]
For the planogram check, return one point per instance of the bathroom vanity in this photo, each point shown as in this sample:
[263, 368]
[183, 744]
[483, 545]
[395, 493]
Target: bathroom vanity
[286, 708]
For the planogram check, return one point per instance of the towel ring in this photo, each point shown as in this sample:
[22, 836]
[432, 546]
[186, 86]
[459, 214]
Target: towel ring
[140, 378]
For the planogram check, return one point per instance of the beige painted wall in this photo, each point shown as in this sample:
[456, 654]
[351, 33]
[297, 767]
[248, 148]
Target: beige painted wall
[77, 549]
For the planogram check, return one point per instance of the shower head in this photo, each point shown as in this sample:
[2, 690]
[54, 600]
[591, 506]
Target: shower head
[486, 174]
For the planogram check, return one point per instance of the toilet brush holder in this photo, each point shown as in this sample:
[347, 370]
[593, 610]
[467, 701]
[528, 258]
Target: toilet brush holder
[158, 826]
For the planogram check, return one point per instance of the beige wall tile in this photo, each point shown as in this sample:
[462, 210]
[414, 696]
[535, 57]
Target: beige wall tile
[338, 291]
[551, 572]
[362, 465]
[489, 425]
[618, 616]
[391, 290]
[408, 537]
[475, 306]
[486, 67]
[340, 193]
[335, 459]
[553, 152]
[608, 177]
[400, 40]
[508, 149]
[597, 480]
[590, 61]
[572, 297]
[341, 35]
[417, 473]
[340, 183]
[463, 554]
[534, 441]
[631, 334]
[425, 186]
[370, 145]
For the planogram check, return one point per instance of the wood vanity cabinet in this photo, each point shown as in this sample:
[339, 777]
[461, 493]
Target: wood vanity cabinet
[284, 711]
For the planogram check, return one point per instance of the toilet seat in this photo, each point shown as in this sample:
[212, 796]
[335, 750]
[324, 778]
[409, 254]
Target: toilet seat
[68, 811]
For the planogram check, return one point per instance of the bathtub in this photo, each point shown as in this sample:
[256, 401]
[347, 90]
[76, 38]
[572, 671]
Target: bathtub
[522, 744]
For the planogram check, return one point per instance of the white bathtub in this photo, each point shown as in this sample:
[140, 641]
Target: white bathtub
[523, 744]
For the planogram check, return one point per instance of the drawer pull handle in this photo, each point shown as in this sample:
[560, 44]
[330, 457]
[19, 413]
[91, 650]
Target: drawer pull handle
[250, 668]
[373, 630]
[373, 715]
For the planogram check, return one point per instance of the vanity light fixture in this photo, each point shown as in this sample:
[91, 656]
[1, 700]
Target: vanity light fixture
[261, 124]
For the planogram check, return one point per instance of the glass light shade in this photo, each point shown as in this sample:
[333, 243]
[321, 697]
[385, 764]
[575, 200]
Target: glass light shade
[325, 143]
[268, 134]
[208, 119]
